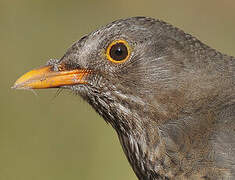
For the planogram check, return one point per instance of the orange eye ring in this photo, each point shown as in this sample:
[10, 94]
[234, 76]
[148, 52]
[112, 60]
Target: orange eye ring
[118, 51]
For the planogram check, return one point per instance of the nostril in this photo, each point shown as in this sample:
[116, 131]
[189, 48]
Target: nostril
[54, 64]
[62, 64]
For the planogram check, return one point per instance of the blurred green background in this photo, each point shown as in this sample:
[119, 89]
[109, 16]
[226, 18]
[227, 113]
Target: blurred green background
[49, 137]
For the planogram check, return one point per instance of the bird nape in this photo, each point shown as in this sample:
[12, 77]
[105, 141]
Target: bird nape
[170, 98]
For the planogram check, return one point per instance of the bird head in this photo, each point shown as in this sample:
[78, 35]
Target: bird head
[137, 68]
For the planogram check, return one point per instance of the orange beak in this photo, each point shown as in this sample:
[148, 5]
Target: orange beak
[45, 77]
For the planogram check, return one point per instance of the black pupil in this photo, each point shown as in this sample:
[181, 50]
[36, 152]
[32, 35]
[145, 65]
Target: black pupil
[118, 52]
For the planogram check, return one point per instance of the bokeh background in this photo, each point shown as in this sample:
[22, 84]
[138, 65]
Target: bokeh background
[50, 137]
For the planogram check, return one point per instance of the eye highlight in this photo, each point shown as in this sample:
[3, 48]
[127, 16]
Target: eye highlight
[118, 51]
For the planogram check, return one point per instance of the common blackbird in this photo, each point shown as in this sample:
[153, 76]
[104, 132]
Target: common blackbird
[170, 97]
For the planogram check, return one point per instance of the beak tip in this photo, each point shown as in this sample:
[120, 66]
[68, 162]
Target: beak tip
[18, 86]
[14, 87]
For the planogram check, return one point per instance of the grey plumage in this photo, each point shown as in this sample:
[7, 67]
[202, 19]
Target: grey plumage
[172, 103]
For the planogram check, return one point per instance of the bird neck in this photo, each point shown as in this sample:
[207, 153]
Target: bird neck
[139, 123]
[144, 152]
[136, 123]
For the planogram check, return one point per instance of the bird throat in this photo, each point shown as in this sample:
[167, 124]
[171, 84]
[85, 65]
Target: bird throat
[132, 119]
[140, 128]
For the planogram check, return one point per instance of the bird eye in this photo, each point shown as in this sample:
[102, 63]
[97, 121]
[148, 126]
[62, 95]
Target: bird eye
[118, 51]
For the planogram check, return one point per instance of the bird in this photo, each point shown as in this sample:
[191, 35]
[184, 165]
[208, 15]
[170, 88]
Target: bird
[169, 96]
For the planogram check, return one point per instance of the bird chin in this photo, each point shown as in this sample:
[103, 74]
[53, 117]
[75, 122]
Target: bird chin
[77, 89]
